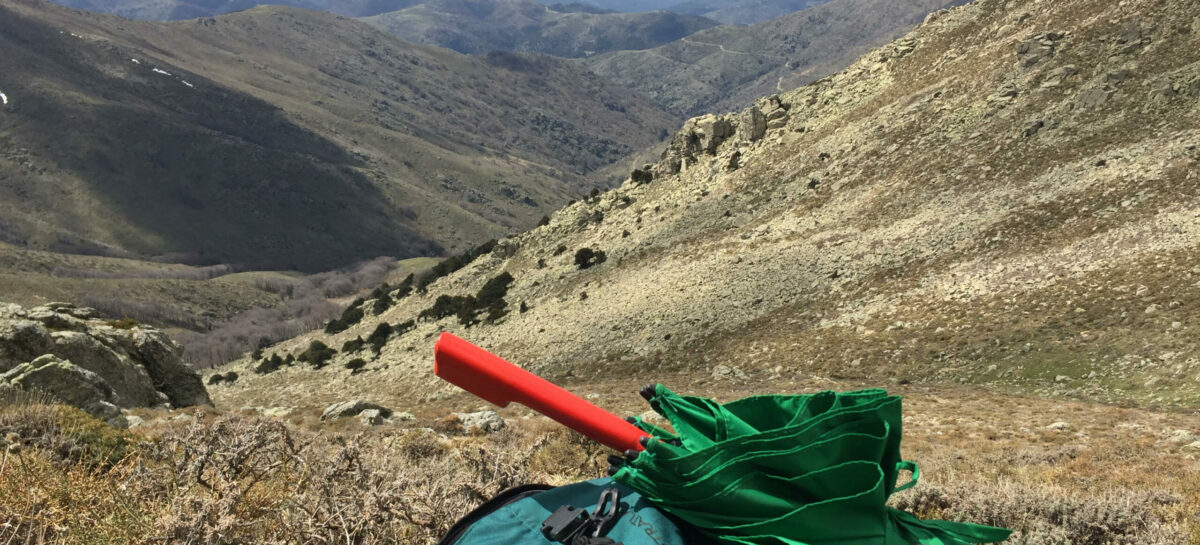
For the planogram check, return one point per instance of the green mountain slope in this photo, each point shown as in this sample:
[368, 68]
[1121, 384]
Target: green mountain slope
[726, 67]
[286, 139]
[481, 26]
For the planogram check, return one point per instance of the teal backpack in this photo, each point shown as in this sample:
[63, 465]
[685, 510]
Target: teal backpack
[596, 512]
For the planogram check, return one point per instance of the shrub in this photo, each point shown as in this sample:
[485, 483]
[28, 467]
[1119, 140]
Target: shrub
[559, 250]
[356, 365]
[404, 327]
[353, 345]
[231, 377]
[256, 354]
[494, 290]
[216, 379]
[379, 337]
[352, 315]
[446, 305]
[587, 257]
[405, 287]
[497, 310]
[317, 354]
[524, 308]
[544, 221]
[270, 365]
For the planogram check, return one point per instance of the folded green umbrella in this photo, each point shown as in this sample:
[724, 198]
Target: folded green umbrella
[813, 469]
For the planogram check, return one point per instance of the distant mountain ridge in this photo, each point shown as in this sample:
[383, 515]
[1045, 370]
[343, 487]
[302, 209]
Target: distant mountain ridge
[726, 67]
[481, 26]
[286, 139]
[172, 10]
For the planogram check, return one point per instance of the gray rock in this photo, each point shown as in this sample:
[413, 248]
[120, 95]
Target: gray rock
[21, 341]
[752, 124]
[1179, 437]
[1059, 426]
[66, 381]
[348, 409]
[163, 360]
[277, 412]
[728, 372]
[484, 421]
[143, 367]
[372, 417]
[132, 422]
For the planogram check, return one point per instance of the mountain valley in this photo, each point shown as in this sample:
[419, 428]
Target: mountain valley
[993, 214]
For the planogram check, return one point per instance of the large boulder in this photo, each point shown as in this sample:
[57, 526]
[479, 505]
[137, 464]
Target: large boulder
[138, 366]
[66, 382]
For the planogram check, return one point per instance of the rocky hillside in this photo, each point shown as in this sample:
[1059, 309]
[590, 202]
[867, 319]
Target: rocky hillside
[102, 367]
[727, 67]
[1005, 197]
[526, 25]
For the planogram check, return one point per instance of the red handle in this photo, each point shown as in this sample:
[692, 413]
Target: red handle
[500, 382]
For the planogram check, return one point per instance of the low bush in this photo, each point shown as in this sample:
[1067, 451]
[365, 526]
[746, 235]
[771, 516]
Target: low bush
[317, 354]
[356, 365]
[271, 364]
[587, 257]
[379, 337]
[353, 345]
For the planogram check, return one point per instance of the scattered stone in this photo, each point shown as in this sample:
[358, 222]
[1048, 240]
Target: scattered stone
[1192, 446]
[348, 409]
[1179, 437]
[403, 417]
[1062, 378]
[277, 412]
[484, 421]
[1059, 426]
[132, 422]
[728, 372]
[371, 417]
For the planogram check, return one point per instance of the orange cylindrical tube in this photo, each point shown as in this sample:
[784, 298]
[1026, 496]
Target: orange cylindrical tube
[500, 382]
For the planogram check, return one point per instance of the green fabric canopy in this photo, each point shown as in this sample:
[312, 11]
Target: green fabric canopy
[811, 469]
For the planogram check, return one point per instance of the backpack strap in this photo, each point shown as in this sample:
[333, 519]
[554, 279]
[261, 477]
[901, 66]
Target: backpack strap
[575, 526]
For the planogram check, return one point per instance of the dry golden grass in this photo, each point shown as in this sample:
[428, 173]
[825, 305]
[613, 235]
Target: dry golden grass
[1110, 478]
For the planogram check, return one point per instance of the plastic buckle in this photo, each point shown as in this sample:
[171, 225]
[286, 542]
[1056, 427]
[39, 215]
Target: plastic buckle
[573, 526]
[565, 524]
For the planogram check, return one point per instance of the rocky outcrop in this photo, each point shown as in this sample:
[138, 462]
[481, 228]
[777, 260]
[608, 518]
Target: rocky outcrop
[704, 135]
[357, 407]
[68, 352]
[67, 382]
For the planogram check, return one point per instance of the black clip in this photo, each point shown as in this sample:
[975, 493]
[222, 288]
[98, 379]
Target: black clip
[566, 523]
[577, 527]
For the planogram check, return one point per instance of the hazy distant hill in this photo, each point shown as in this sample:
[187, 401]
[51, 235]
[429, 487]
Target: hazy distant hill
[162, 10]
[283, 138]
[724, 67]
[742, 12]
[480, 26]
